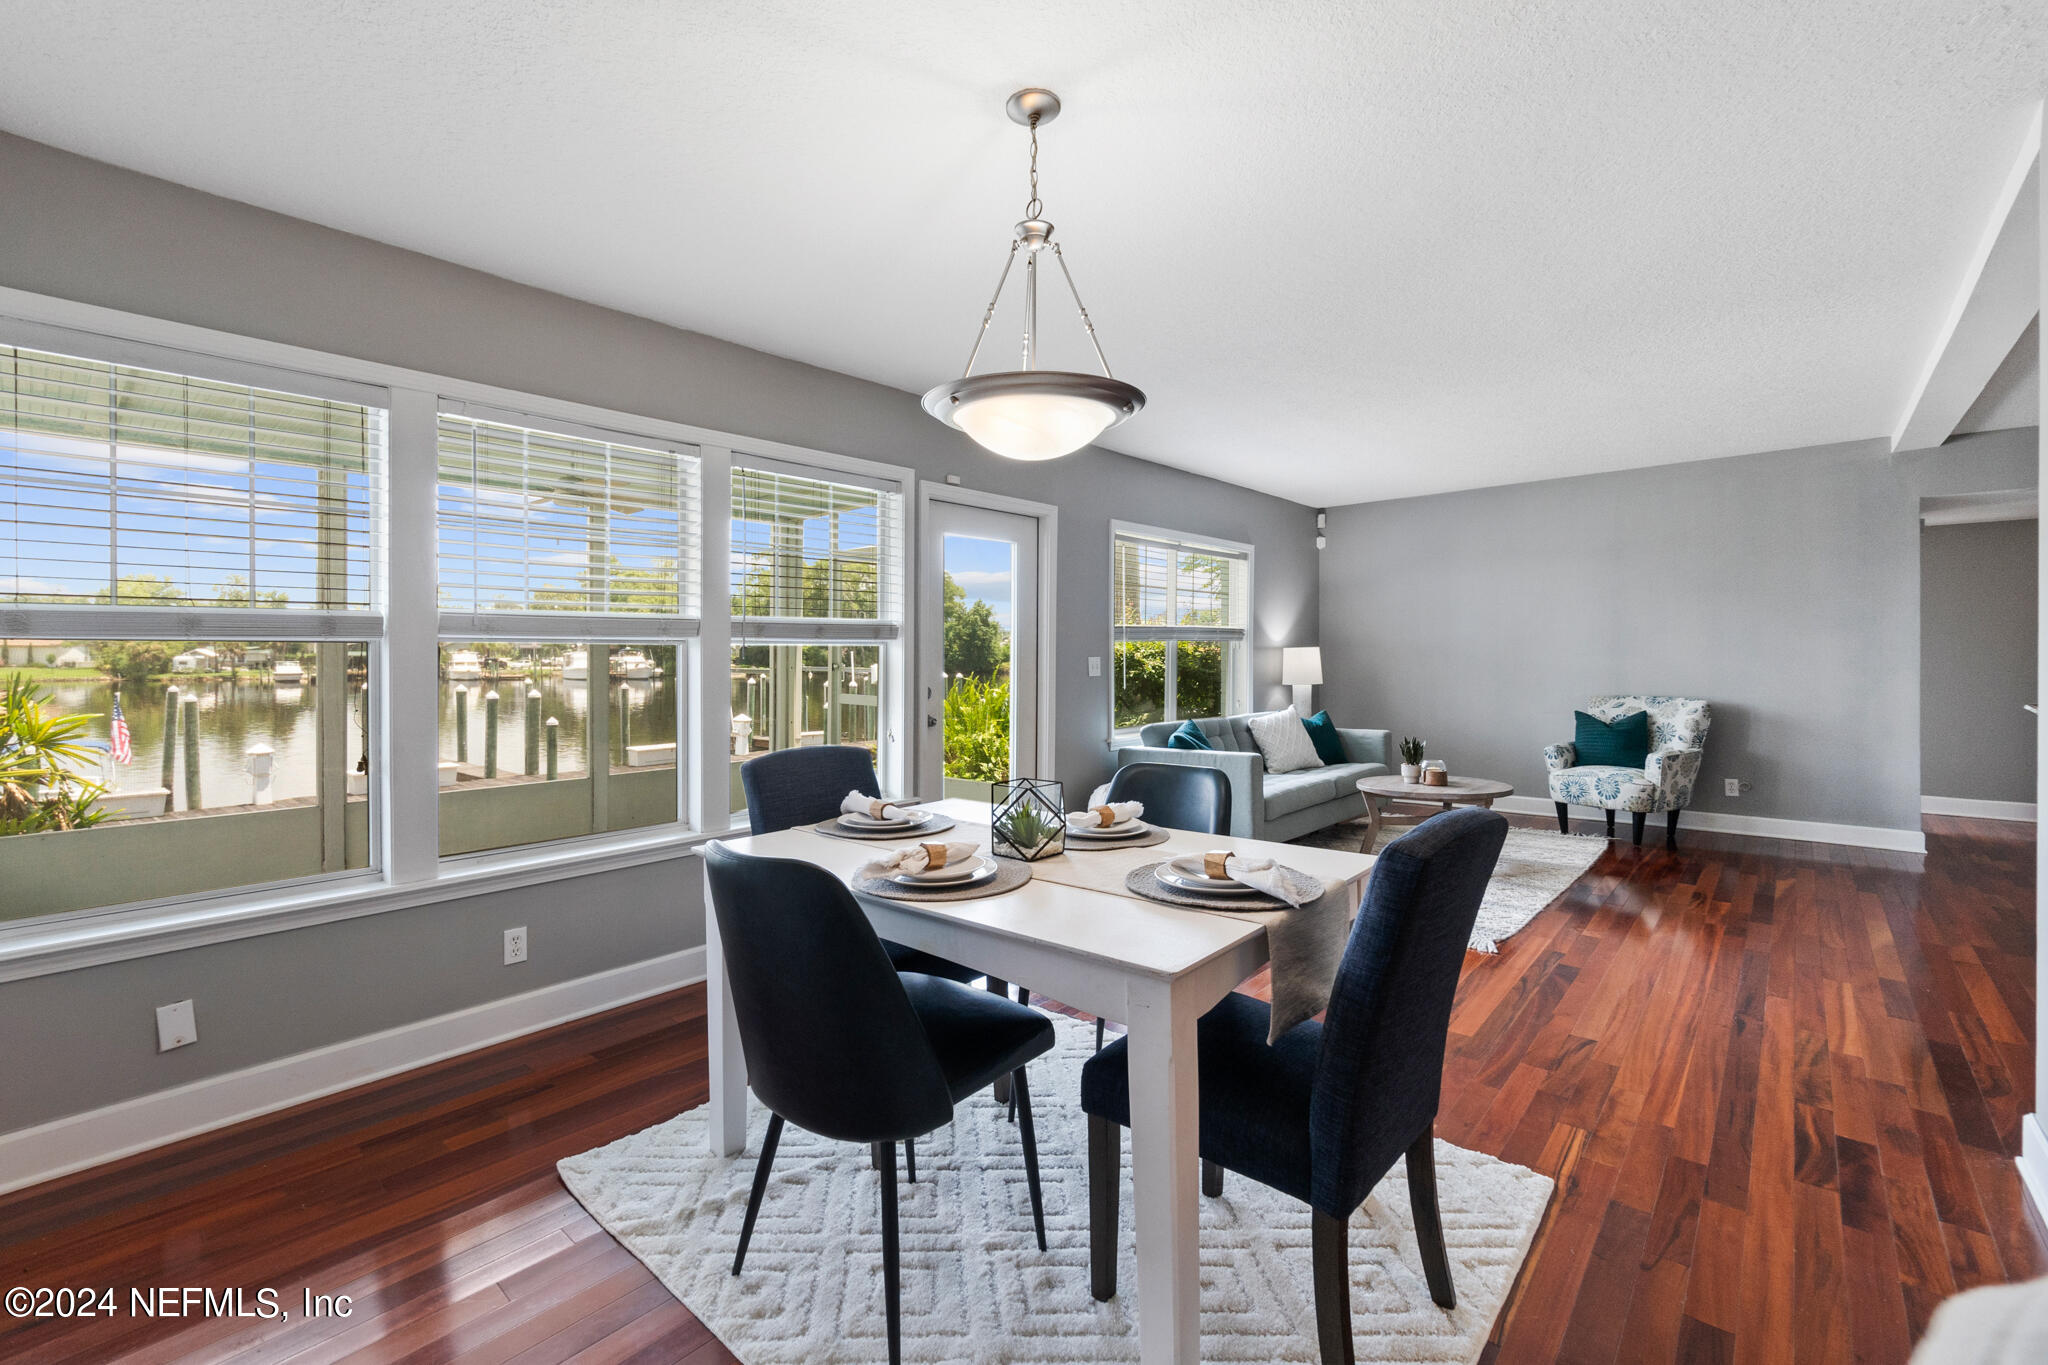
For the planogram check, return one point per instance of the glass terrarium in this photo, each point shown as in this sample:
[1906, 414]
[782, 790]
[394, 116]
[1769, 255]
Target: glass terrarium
[1027, 818]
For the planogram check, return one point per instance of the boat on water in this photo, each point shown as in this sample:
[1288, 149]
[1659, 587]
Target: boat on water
[464, 665]
[288, 673]
[633, 665]
[578, 667]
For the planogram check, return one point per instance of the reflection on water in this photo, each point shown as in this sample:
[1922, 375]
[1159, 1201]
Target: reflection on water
[233, 715]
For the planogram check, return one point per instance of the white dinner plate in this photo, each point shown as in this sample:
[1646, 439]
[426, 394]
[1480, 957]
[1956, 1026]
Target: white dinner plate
[868, 824]
[1129, 829]
[1186, 874]
[958, 874]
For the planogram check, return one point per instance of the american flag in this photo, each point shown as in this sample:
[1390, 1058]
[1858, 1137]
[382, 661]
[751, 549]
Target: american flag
[124, 743]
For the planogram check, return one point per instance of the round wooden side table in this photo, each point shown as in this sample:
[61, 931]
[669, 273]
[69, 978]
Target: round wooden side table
[1391, 789]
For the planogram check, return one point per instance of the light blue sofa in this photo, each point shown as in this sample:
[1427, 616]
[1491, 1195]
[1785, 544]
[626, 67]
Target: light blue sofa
[1272, 805]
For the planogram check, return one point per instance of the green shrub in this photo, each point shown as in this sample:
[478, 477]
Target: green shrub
[978, 730]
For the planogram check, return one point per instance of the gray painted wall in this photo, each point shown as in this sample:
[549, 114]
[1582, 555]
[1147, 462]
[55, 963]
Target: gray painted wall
[1784, 588]
[1978, 629]
[79, 229]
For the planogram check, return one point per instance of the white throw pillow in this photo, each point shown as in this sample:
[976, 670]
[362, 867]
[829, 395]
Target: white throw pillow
[1284, 740]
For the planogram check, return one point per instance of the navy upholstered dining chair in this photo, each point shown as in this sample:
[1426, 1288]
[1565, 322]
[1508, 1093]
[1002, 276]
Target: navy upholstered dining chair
[842, 1045]
[1175, 797]
[792, 787]
[1325, 1112]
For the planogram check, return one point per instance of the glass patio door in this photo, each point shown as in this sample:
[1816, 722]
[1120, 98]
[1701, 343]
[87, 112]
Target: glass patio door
[978, 617]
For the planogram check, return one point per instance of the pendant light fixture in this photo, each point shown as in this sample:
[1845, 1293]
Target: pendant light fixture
[1029, 413]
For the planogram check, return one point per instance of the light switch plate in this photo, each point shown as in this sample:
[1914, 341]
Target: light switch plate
[175, 1026]
[1094, 665]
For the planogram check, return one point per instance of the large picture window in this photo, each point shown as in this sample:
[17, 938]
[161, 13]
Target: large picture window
[817, 611]
[1179, 622]
[567, 580]
[188, 589]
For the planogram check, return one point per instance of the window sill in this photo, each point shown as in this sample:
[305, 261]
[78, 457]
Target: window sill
[65, 943]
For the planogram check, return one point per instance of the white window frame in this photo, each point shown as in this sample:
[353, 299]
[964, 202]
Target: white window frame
[892, 637]
[1172, 633]
[408, 869]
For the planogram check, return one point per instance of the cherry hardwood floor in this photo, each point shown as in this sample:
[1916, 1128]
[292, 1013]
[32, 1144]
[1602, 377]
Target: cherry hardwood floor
[1779, 1086]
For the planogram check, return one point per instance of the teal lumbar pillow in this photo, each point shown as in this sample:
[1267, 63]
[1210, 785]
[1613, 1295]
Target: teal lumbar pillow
[1625, 743]
[1189, 736]
[1322, 732]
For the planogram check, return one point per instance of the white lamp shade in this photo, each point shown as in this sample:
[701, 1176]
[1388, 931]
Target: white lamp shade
[1033, 426]
[1301, 665]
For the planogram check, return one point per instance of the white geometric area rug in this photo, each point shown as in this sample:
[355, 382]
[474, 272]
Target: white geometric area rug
[975, 1286]
[1535, 868]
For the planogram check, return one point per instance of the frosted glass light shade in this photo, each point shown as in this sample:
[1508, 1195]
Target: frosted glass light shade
[1034, 426]
[1033, 414]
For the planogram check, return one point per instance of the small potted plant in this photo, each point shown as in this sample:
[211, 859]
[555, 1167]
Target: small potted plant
[1027, 819]
[1411, 758]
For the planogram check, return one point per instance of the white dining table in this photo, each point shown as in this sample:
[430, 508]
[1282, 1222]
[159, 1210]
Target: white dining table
[1153, 967]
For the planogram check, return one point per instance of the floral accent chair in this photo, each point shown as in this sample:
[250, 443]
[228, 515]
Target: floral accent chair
[1678, 735]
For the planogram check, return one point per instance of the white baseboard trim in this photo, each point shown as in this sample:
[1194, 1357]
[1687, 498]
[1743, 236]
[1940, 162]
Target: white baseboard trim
[30, 1156]
[2033, 1163]
[1762, 827]
[1979, 810]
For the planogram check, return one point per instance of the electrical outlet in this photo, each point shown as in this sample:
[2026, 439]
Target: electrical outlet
[515, 945]
[175, 1026]
[1732, 786]
[1094, 665]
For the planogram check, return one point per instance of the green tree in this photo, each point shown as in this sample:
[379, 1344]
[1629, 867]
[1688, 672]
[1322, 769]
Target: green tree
[131, 589]
[235, 593]
[976, 645]
[135, 660]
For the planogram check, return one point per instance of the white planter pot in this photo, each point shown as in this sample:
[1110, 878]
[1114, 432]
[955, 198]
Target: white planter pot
[1411, 772]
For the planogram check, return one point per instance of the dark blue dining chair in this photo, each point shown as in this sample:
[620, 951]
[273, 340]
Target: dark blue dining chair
[1324, 1113]
[1195, 799]
[1175, 796]
[792, 787]
[842, 1045]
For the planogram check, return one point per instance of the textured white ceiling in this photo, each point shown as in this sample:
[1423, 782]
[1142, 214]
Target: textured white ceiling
[1350, 250]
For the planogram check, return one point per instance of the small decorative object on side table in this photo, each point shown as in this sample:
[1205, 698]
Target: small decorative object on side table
[1412, 750]
[1435, 774]
[1390, 789]
[1027, 819]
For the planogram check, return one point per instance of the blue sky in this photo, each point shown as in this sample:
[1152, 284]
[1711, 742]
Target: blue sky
[983, 570]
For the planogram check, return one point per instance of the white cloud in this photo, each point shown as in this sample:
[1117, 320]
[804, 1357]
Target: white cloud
[982, 578]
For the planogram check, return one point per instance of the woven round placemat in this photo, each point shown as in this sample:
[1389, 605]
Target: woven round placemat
[833, 829]
[1140, 882]
[1081, 843]
[1010, 874]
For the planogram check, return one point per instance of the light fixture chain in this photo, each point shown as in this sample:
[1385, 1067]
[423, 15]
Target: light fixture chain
[1032, 206]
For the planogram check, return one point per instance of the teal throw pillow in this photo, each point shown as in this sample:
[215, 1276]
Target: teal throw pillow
[1623, 744]
[1189, 736]
[1322, 732]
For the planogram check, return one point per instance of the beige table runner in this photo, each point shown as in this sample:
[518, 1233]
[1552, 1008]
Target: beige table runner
[1305, 944]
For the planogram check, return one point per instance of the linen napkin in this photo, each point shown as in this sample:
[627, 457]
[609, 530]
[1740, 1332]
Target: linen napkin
[920, 858]
[1263, 874]
[860, 803]
[1105, 815]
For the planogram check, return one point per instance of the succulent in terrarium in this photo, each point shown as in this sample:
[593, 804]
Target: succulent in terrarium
[1027, 826]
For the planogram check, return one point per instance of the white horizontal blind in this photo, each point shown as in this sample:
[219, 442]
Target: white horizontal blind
[552, 534]
[130, 495]
[1167, 589]
[814, 558]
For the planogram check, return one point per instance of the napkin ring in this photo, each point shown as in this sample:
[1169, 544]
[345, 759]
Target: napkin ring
[1213, 865]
